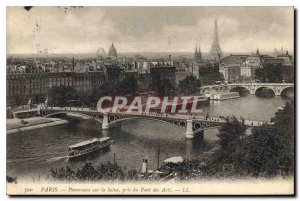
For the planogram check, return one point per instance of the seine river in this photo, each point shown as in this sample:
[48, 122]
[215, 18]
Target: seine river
[33, 153]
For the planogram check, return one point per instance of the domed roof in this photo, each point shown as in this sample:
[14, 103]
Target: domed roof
[112, 51]
[100, 52]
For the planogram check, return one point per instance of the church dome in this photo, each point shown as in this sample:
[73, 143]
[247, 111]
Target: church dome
[112, 51]
[100, 52]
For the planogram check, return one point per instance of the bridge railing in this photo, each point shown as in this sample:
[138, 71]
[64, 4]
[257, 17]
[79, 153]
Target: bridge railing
[263, 84]
[195, 117]
[245, 83]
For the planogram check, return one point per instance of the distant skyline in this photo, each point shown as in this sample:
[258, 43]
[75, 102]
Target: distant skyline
[148, 29]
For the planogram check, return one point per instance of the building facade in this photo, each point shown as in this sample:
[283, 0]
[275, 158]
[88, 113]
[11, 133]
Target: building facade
[249, 67]
[230, 67]
[21, 87]
[163, 71]
[287, 67]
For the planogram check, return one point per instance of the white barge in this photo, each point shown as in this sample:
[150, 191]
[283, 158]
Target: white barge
[88, 146]
[223, 95]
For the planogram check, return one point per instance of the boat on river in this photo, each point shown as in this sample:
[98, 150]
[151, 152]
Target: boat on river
[88, 147]
[223, 95]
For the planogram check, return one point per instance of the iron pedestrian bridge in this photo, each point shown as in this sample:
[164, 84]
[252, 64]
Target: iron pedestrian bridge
[278, 88]
[191, 124]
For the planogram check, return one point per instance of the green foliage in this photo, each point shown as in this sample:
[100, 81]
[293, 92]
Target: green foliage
[16, 101]
[269, 73]
[84, 98]
[268, 152]
[104, 89]
[105, 171]
[162, 85]
[61, 95]
[210, 78]
[231, 132]
[260, 75]
[284, 124]
[189, 85]
[230, 137]
[260, 153]
[128, 86]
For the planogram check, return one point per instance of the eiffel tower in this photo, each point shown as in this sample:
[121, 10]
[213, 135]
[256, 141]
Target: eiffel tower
[215, 50]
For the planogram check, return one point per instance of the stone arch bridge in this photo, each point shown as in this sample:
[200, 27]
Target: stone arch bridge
[278, 88]
[190, 124]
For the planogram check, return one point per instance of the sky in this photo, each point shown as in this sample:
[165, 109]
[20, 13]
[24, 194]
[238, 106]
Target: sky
[147, 29]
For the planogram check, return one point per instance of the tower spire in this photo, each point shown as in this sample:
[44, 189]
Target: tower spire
[199, 53]
[216, 51]
[216, 38]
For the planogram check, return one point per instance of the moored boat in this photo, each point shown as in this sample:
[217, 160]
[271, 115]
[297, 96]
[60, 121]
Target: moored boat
[223, 95]
[88, 146]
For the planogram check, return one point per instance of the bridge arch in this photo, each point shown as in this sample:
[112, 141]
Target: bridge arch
[285, 90]
[240, 89]
[180, 124]
[77, 114]
[259, 90]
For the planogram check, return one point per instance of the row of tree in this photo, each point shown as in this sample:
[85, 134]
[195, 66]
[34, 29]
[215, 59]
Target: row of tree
[104, 172]
[64, 96]
[268, 152]
[269, 73]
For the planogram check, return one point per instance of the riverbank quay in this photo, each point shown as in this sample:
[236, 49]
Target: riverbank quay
[19, 125]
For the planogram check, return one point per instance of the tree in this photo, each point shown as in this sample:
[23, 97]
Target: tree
[269, 73]
[209, 78]
[16, 101]
[269, 151]
[84, 98]
[284, 124]
[230, 136]
[259, 75]
[273, 72]
[162, 85]
[189, 85]
[233, 130]
[128, 86]
[104, 89]
[61, 95]
[259, 154]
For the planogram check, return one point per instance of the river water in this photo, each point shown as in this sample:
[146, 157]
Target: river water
[33, 153]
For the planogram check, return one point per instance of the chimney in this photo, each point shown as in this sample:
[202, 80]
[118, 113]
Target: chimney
[170, 60]
[144, 166]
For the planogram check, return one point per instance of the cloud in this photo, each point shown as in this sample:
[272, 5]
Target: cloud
[83, 30]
